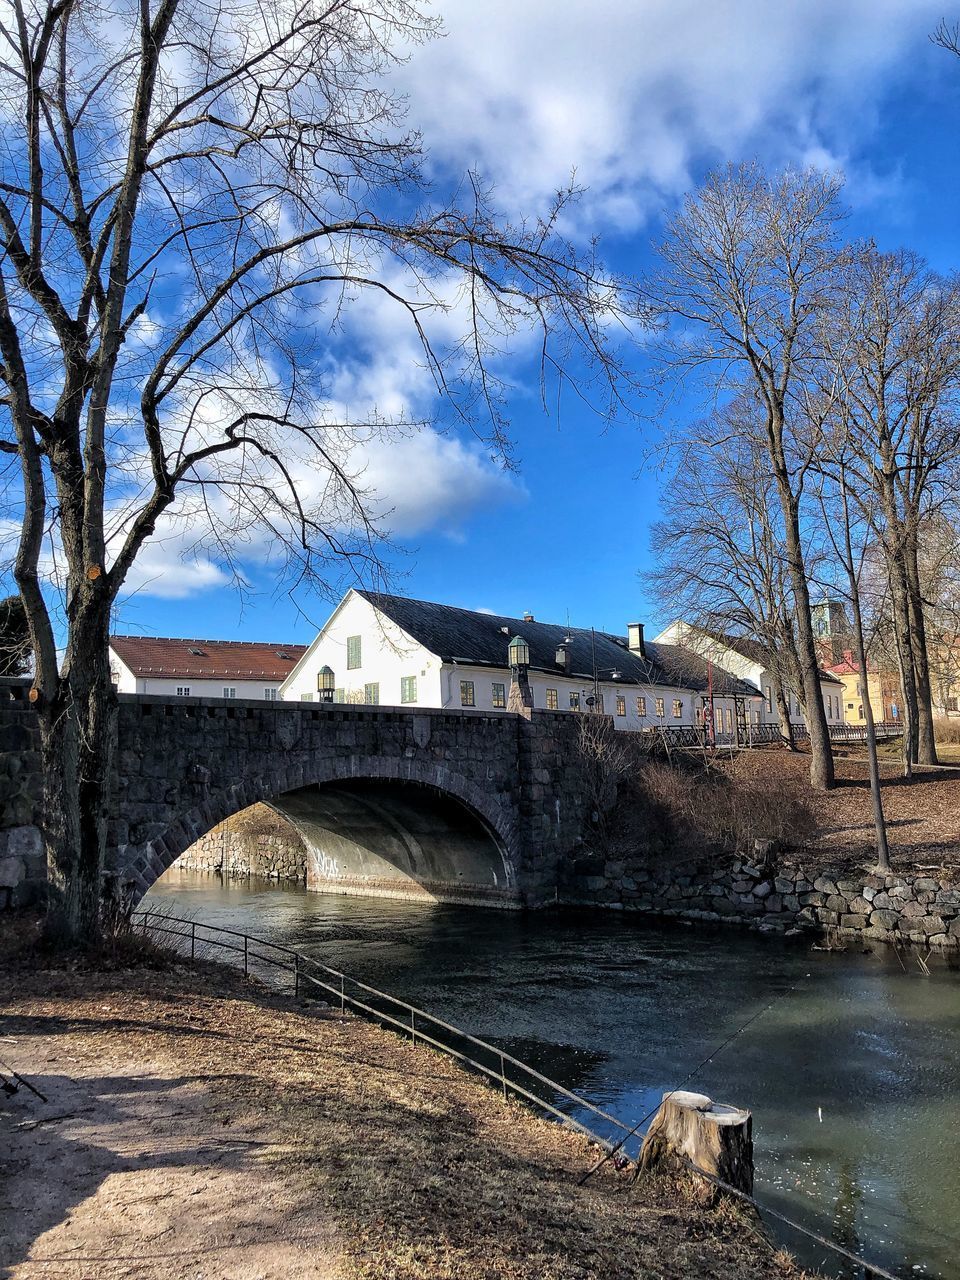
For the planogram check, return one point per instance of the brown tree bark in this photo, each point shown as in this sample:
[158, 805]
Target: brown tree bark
[783, 711]
[710, 1135]
[821, 751]
[926, 744]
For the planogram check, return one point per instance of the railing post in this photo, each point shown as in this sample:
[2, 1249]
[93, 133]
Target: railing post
[503, 1075]
[343, 998]
[296, 973]
[413, 1026]
[245, 969]
[193, 939]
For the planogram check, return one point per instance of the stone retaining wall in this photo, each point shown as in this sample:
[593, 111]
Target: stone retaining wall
[21, 849]
[918, 909]
[267, 855]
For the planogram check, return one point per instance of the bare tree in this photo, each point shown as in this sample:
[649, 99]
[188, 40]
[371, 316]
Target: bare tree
[849, 535]
[748, 265]
[892, 362]
[191, 196]
[720, 548]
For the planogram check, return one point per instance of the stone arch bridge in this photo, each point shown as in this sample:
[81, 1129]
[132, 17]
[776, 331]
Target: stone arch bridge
[459, 804]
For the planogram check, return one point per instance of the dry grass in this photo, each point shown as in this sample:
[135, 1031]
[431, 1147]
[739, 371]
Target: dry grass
[208, 1130]
[923, 816]
[720, 805]
[947, 732]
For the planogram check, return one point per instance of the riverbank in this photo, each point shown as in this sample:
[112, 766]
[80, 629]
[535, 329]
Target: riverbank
[199, 1126]
[816, 874]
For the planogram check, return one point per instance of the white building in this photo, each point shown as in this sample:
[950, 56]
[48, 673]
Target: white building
[201, 668]
[391, 650]
[748, 661]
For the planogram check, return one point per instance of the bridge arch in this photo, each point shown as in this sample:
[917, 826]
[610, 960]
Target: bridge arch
[141, 868]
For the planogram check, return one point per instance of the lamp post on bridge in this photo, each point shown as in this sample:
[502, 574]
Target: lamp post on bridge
[326, 680]
[521, 695]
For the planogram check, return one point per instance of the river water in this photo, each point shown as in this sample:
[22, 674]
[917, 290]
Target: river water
[851, 1072]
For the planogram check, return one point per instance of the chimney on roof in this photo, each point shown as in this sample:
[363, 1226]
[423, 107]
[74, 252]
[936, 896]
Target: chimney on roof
[528, 617]
[562, 659]
[635, 638]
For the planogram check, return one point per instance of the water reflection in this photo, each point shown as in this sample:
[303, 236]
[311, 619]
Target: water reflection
[850, 1074]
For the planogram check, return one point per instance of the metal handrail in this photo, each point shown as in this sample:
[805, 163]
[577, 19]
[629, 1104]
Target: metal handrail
[159, 922]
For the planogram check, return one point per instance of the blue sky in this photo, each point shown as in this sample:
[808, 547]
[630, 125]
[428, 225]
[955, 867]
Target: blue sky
[642, 99]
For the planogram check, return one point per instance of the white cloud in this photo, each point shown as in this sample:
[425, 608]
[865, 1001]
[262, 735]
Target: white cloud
[429, 481]
[637, 95]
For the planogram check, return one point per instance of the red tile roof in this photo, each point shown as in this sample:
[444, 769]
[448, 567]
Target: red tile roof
[206, 659]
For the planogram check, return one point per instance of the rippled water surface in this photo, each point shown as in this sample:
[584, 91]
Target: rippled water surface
[851, 1073]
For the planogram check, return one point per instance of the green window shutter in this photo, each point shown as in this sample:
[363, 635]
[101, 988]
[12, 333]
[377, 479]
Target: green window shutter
[353, 653]
[371, 694]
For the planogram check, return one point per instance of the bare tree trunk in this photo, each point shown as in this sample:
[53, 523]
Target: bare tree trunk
[876, 796]
[926, 740]
[78, 733]
[821, 752]
[783, 711]
[900, 609]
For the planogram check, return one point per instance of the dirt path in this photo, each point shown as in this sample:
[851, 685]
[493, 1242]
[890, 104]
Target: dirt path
[193, 1133]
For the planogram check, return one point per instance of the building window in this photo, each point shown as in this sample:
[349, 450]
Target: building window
[677, 708]
[862, 715]
[339, 695]
[553, 700]
[621, 704]
[408, 688]
[467, 694]
[229, 691]
[371, 694]
[951, 704]
[499, 695]
[768, 694]
[271, 695]
[304, 697]
[658, 708]
[641, 706]
[729, 715]
[574, 702]
[353, 653]
[183, 691]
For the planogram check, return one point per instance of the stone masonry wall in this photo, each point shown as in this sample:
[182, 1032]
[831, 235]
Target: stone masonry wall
[917, 909]
[21, 848]
[262, 846]
[184, 765]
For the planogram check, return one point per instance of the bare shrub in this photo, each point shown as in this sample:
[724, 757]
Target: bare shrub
[708, 806]
[947, 730]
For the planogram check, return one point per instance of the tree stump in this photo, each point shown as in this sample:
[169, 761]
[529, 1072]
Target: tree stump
[714, 1137]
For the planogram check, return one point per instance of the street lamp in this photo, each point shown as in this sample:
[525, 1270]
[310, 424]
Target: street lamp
[325, 682]
[518, 653]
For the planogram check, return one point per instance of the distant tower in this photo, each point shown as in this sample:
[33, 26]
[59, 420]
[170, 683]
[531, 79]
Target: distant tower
[831, 628]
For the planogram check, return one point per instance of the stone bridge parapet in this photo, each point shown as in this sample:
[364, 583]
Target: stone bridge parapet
[184, 765]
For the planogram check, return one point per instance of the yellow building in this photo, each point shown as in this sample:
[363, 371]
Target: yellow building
[883, 690]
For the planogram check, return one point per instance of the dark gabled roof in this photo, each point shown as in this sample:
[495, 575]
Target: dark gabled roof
[684, 667]
[206, 659]
[481, 639]
[756, 651]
